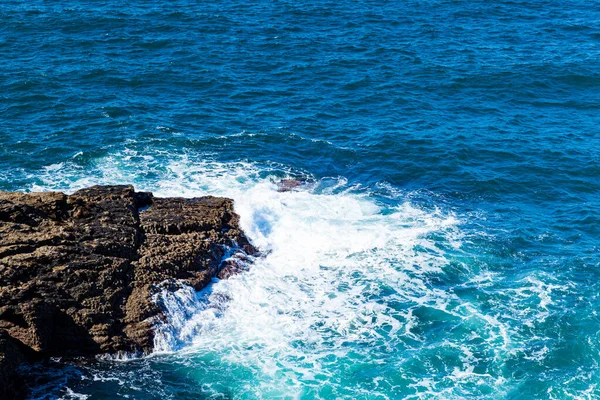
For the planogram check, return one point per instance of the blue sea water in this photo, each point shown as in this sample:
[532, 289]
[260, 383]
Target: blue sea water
[447, 242]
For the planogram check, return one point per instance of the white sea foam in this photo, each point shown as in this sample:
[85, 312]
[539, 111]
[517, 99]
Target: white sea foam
[330, 254]
[344, 276]
[73, 395]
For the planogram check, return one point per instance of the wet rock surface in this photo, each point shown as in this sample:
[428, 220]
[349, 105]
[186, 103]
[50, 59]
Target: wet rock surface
[77, 272]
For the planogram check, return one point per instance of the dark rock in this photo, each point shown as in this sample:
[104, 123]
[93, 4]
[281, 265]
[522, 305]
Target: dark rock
[12, 354]
[77, 272]
[230, 268]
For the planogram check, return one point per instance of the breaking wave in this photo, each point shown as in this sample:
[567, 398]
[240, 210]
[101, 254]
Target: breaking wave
[361, 292]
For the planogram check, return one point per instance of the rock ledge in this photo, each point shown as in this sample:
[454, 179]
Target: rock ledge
[77, 272]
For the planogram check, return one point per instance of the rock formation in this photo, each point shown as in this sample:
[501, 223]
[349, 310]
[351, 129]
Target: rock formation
[77, 272]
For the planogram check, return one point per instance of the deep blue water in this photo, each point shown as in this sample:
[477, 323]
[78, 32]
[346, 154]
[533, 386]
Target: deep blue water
[447, 244]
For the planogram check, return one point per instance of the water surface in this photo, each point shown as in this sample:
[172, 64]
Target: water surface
[446, 244]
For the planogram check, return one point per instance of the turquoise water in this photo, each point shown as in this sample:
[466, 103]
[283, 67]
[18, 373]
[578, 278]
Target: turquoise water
[446, 244]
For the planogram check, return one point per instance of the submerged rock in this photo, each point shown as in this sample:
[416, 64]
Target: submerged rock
[288, 185]
[77, 272]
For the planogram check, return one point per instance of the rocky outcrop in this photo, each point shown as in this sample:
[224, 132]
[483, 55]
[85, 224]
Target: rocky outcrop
[77, 272]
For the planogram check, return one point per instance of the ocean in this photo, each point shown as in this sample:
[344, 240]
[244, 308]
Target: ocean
[445, 243]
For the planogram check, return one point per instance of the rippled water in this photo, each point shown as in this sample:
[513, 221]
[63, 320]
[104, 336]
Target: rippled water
[446, 244]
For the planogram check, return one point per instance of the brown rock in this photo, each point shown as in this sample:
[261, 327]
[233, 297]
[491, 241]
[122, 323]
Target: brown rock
[77, 272]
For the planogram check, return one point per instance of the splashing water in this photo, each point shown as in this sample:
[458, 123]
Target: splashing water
[358, 296]
[363, 292]
[338, 287]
